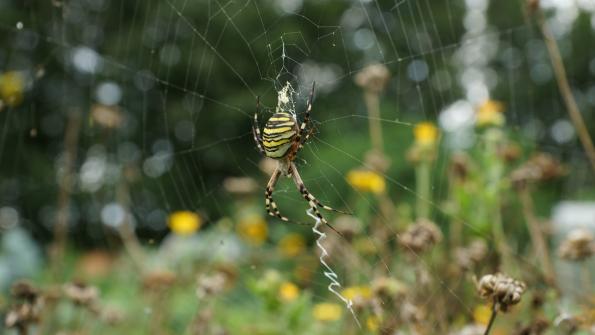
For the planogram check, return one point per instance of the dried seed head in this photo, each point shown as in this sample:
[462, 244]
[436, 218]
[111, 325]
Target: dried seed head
[420, 237]
[240, 185]
[460, 166]
[387, 289]
[472, 255]
[373, 78]
[158, 280]
[210, 285]
[503, 290]
[412, 314]
[578, 245]
[348, 225]
[81, 294]
[28, 310]
[541, 167]
[24, 290]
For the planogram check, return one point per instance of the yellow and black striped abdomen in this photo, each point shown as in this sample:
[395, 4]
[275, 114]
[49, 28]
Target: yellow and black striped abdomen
[278, 134]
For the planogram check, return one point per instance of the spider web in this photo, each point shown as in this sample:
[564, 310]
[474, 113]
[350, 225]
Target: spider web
[197, 71]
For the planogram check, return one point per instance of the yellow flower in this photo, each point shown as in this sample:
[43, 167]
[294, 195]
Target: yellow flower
[357, 292]
[425, 133]
[327, 311]
[489, 113]
[292, 245]
[481, 314]
[288, 291]
[12, 86]
[253, 229]
[184, 222]
[373, 323]
[366, 181]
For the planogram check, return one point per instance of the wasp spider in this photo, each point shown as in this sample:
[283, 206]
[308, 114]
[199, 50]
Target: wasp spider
[282, 140]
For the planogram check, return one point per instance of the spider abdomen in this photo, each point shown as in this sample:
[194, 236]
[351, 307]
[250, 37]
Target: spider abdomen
[278, 134]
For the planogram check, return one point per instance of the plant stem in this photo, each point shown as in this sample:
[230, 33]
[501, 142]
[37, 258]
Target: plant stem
[424, 185]
[537, 238]
[565, 90]
[492, 318]
[66, 182]
[373, 105]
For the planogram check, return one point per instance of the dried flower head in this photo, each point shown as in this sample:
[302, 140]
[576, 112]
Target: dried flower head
[540, 167]
[28, 310]
[158, 280]
[348, 225]
[373, 78]
[210, 285]
[460, 164]
[411, 313]
[387, 288]
[240, 185]
[24, 290]
[421, 236]
[376, 160]
[471, 255]
[578, 245]
[81, 294]
[502, 289]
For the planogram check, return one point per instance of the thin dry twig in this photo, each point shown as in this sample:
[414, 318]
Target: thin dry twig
[565, 90]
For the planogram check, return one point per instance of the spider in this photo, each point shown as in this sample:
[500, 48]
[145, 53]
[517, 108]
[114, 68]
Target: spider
[283, 138]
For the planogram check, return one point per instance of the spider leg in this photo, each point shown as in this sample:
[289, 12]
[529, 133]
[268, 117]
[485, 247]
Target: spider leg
[301, 135]
[256, 128]
[312, 201]
[270, 204]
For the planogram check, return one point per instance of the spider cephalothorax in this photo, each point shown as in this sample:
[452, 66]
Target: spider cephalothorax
[282, 139]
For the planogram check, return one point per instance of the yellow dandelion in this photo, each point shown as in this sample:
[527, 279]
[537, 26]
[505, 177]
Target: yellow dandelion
[481, 314]
[184, 222]
[357, 292]
[288, 291]
[12, 87]
[366, 181]
[490, 113]
[425, 133]
[372, 323]
[253, 229]
[327, 311]
[292, 245]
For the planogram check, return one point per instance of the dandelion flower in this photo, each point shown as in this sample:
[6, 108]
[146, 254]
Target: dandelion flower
[12, 87]
[288, 291]
[425, 133]
[184, 222]
[489, 114]
[366, 181]
[253, 229]
[292, 245]
[327, 311]
[357, 292]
